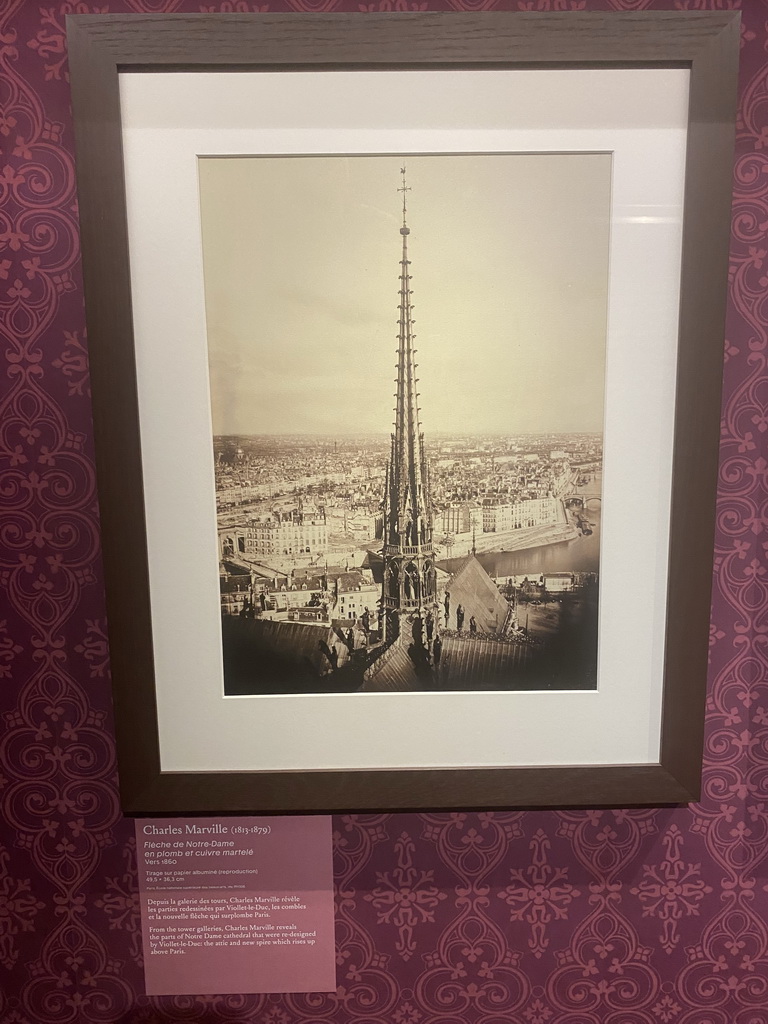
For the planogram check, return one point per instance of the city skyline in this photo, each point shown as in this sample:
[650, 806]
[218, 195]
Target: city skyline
[302, 308]
[436, 433]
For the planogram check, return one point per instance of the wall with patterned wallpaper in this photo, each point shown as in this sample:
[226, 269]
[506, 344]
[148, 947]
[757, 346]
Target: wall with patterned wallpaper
[574, 917]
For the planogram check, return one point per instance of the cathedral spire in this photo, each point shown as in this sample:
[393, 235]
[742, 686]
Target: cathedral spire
[411, 515]
[408, 551]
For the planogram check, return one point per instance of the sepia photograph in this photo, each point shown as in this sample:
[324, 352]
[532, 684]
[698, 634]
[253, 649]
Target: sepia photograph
[407, 375]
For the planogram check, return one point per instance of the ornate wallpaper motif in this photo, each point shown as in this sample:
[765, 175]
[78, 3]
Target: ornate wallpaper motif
[577, 917]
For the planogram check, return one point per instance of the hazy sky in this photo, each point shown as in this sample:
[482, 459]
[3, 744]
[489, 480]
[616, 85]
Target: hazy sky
[509, 264]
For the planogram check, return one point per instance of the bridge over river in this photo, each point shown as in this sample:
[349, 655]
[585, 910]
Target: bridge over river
[583, 500]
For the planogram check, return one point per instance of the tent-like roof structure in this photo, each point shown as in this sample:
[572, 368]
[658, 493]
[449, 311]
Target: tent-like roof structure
[473, 589]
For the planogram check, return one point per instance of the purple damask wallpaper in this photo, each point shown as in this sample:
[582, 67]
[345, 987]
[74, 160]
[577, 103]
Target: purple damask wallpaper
[577, 917]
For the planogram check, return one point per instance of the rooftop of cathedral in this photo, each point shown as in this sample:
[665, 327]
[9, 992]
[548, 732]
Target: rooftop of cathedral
[467, 663]
[263, 656]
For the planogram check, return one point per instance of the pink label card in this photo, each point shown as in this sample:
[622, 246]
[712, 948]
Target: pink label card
[232, 905]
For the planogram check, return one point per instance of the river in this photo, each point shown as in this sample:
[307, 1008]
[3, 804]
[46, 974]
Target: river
[580, 555]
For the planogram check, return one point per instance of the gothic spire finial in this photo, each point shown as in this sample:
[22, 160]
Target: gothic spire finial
[404, 189]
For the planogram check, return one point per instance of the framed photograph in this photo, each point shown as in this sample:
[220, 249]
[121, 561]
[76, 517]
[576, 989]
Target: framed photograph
[406, 340]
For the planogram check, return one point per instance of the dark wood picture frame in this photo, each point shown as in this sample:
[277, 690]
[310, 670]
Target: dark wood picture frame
[103, 46]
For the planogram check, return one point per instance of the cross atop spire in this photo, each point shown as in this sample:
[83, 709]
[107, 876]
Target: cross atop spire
[404, 189]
